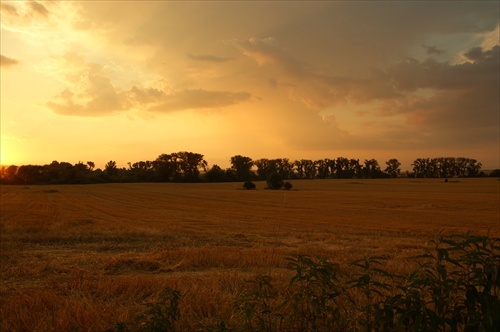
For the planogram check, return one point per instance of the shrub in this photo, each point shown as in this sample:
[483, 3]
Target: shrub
[287, 185]
[274, 181]
[495, 173]
[248, 185]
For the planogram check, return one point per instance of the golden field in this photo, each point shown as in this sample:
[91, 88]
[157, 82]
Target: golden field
[89, 256]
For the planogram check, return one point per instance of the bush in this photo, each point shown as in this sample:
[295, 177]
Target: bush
[274, 181]
[287, 185]
[495, 173]
[248, 185]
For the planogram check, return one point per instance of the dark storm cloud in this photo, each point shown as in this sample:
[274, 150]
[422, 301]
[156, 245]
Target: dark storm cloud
[432, 50]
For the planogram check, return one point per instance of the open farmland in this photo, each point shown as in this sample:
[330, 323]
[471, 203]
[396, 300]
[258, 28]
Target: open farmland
[92, 255]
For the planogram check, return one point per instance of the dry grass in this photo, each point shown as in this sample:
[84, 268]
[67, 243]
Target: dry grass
[92, 255]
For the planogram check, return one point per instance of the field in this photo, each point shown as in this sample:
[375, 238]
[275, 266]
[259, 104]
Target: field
[89, 256]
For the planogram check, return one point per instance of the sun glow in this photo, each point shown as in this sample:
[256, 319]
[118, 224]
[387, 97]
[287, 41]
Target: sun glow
[7, 155]
[98, 80]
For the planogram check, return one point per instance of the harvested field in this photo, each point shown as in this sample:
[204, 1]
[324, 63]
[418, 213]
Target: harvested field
[92, 255]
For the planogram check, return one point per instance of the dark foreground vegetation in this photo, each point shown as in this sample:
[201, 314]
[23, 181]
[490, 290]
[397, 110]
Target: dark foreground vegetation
[455, 286]
[192, 167]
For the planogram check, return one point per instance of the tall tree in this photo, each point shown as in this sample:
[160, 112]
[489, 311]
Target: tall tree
[30, 174]
[392, 168]
[111, 168]
[216, 174]
[342, 167]
[242, 167]
[265, 167]
[91, 165]
[165, 167]
[355, 169]
[323, 170]
[310, 169]
[473, 167]
[190, 164]
[299, 167]
[372, 169]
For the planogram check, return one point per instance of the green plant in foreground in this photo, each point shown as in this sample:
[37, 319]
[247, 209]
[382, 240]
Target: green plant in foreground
[159, 316]
[313, 291]
[455, 287]
[479, 260]
[373, 289]
[257, 306]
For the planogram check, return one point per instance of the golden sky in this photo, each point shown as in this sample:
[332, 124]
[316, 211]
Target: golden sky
[130, 80]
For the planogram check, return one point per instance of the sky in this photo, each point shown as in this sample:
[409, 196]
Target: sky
[130, 80]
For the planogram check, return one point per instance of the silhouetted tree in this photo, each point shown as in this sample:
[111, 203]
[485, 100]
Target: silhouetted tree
[446, 167]
[9, 174]
[309, 168]
[111, 168]
[265, 167]
[242, 167]
[216, 174]
[355, 169]
[284, 167]
[90, 165]
[165, 167]
[473, 167]
[298, 166]
[190, 165]
[392, 168]
[372, 169]
[141, 171]
[343, 168]
[324, 168]
[495, 173]
[30, 174]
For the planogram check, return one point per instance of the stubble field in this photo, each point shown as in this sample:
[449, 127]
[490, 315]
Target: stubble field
[89, 256]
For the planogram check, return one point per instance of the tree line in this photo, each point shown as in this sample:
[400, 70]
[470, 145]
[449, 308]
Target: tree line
[192, 167]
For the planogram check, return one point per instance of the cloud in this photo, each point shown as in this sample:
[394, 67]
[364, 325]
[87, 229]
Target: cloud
[99, 98]
[38, 8]
[268, 51]
[207, 58]
[199, 99]
[432, 50]
[7, 62]
[22, 12]
[464, 95]
[92, 93]
[424, 103]
[9, 8]
[304, 82]
[477, 54]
